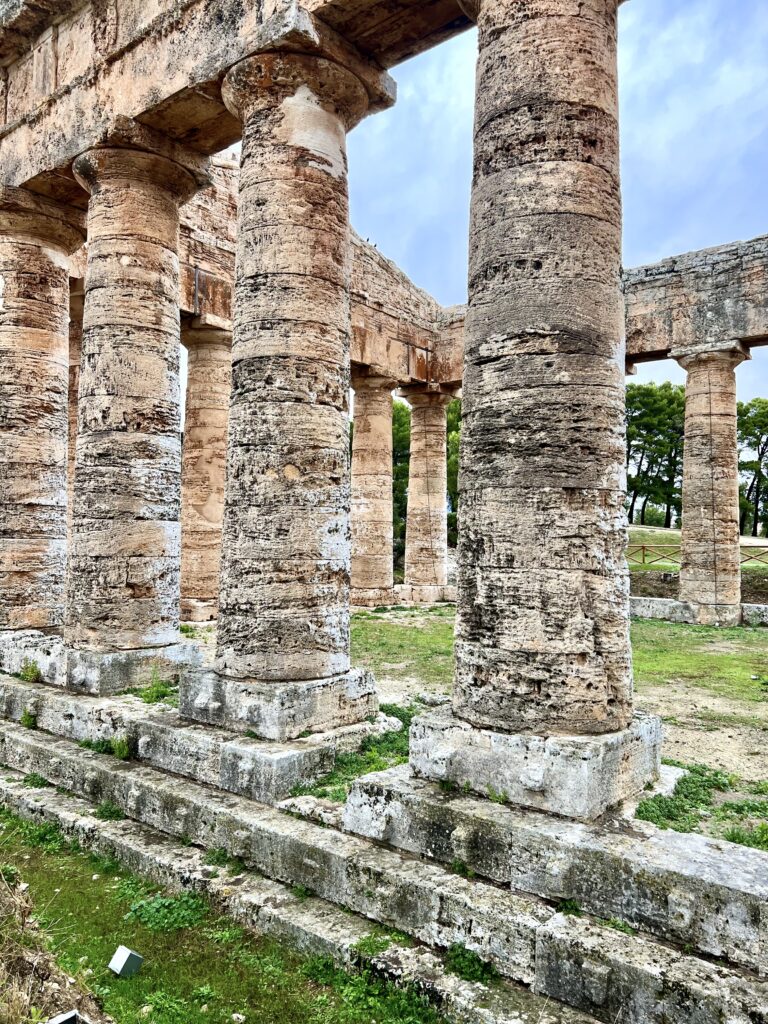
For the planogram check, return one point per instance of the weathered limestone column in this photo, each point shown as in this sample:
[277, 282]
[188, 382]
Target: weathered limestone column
[76, 304]
[543, 709]
[282, 659]
[36, 237]
[372, 532]
[203, 467]
[710, 574]
[123, 579]
[426, 535]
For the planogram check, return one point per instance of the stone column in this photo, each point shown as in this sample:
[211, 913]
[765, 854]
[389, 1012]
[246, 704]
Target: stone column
[710, 574]
[123, 580]
[426, 535]
[543, 697]
[203, 465]
[36, 237]
[282, 658]
[76, 303]
[372, 534]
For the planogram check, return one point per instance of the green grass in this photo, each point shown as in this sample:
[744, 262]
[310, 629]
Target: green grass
[192, 956]
[119, 747]
[723, 661]
[376, 754]
[466, 964]
[35, 781]
[400, 649]
[692, 798]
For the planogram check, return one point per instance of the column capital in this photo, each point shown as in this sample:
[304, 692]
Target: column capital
[26, 216]
[97, 166]
[268, 80]
[426, 394]
[733, 353]
[362, 380]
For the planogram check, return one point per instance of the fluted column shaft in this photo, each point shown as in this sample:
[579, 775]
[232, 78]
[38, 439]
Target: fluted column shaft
[284, 592]
[123, 582]
[203, 466]
[76, 303]
[372, 531]
[36, 237]
[543, 617]
[426, 536]
[710, 574]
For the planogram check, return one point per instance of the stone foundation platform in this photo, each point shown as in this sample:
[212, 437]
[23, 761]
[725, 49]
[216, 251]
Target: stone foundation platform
[278, 711]
[45, 650]
[102, 674]
[670, 610]
[158, 736]
[581, 961]
[574, 776]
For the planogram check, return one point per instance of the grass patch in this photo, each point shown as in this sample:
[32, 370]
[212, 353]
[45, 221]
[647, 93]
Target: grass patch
[396, 649]
[119, 747]
[157, 690]
[693, 796]
[35, 781]
[375, 754]
[28, 719]
[755, 836]
[30, 671]
[466, 964]
[107, 811]
[91, 906]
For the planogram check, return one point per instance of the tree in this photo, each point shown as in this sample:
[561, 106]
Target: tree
[753, 462]
[655, 432]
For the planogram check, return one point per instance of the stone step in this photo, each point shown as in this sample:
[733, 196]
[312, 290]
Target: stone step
[698, 892]
[157, 735]
[524, 938]
[309, 924]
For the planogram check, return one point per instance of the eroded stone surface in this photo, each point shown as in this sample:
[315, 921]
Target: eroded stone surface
[123, 580]
[36, 236]
[371, 512]
[700, 892]
[203, 467]
[710, 571]
[543, 619]
[574, 776]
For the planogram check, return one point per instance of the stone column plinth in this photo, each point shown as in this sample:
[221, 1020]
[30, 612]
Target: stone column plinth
[543, 665]
[123, 580]
[282, 658]
[203, 466]
[372, 533]
[426, 532]
[710, 573]
[36, 237]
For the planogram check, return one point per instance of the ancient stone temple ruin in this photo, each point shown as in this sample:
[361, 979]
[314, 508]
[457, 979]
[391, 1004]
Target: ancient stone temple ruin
[113, 114]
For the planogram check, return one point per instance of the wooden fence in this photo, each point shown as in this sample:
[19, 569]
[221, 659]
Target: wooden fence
[669, 554]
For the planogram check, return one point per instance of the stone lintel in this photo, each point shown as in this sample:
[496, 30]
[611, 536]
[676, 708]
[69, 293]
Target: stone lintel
[103, 673]
[684, 888]
[574, 776]
[210, 322]
[276, 710]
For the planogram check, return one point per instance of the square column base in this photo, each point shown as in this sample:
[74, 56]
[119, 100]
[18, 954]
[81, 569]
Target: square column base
[22, 649]
[577, 777]
[278, 710]
[104, 673]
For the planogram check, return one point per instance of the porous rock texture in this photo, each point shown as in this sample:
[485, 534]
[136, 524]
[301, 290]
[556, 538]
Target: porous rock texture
[76, 297]
[123, 583]
[285, 569]
[36, 236]
[710, 571]
[203, 467]
[371, 516]
[543, 623]
[426, 535]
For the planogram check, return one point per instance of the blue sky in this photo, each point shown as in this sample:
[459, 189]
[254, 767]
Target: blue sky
[694, 97]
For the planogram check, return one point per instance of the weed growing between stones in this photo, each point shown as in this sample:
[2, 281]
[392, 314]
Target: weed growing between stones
[157, 691]
[210, 970]
[466, 964]
[119, 747]
[28, 719]
[570, 907]
[375, 754]
[35, 781]
[30, 671]
[219, 858]
[380, 941]
[107, 811]
[458, 867]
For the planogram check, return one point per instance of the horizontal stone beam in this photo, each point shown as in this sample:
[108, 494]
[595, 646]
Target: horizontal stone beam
[64, 94]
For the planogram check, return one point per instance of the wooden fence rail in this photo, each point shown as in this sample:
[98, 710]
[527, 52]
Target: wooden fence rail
[654, 554]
